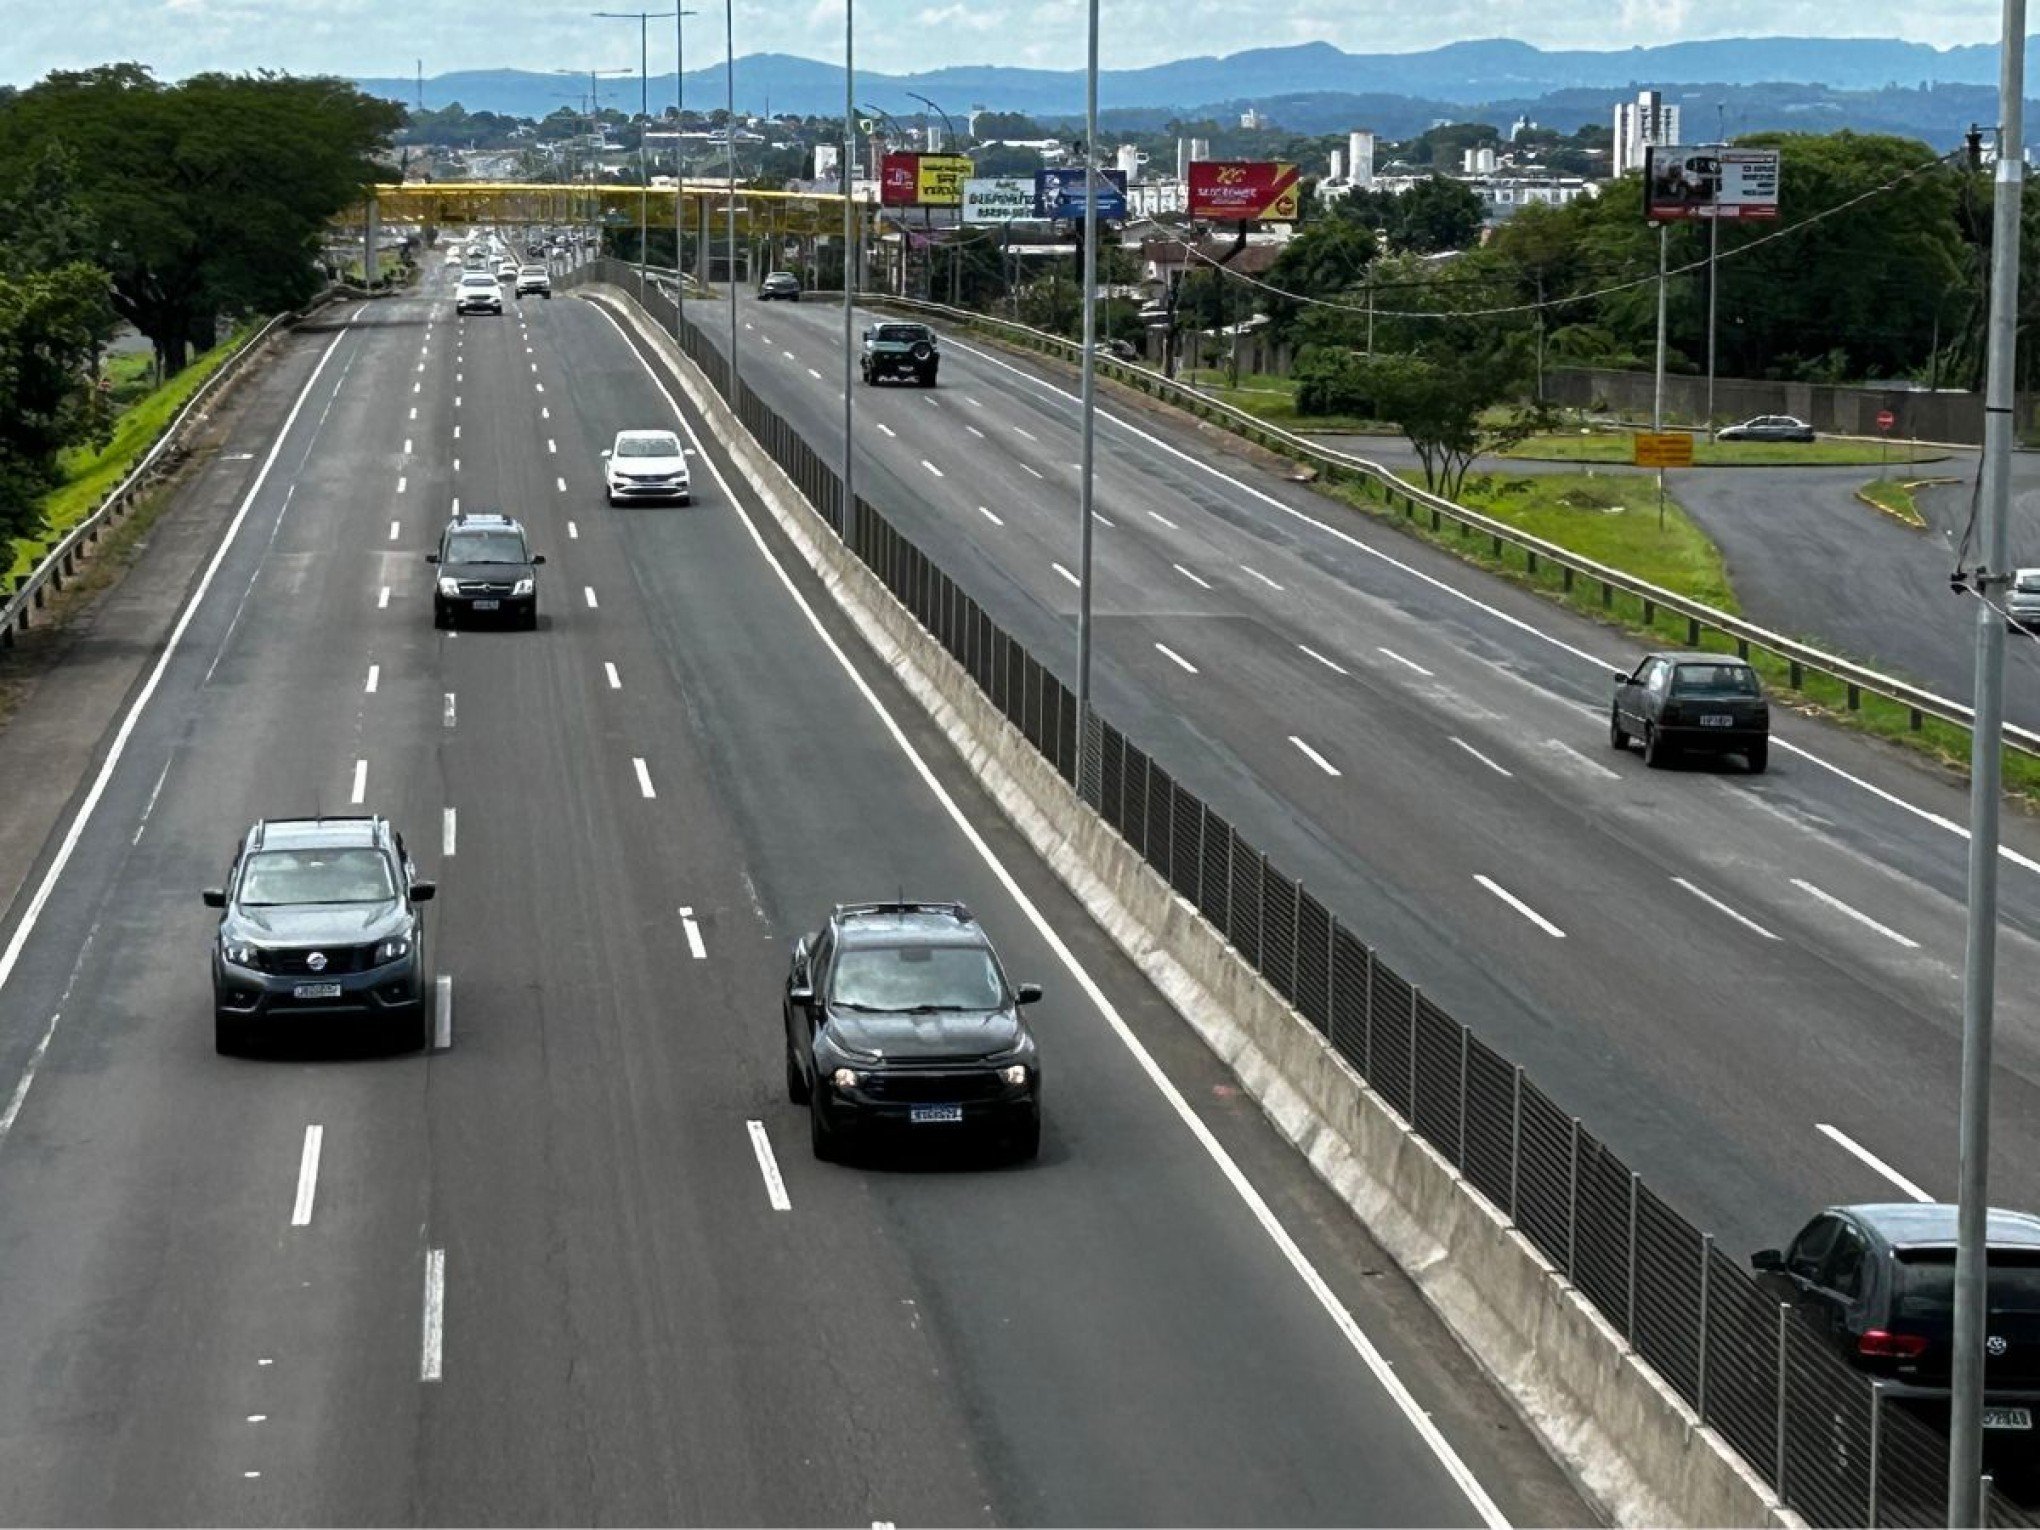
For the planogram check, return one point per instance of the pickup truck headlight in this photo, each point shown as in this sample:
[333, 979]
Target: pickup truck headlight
[1016, 1074]
[238, 953]
[522, 587]
[393, 948]
[449, 587]
[844, 1078]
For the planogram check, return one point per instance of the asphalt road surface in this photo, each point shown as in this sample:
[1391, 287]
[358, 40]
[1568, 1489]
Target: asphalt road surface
[577, 1264]
[1748, 986]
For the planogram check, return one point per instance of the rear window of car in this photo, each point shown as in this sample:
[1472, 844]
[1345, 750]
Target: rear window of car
[649, 446]
[1925, 1287]
[1714, 679]
[902, 332]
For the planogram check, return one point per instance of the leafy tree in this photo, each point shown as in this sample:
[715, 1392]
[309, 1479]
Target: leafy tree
[206, 196]
[1442, 406]
[991, 125]
[1327, 257]
[1435, 214]
[51, 325]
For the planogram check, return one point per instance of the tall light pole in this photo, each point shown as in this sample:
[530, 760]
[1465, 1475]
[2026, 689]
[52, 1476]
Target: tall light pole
[947, 126]
[955, 253]
[1979, 989]
[730, 144]
[643, 19]
[679, 169]
[1086, 461]
[849, 515]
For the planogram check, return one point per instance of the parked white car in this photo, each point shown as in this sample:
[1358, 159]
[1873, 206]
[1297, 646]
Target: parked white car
[647, 464]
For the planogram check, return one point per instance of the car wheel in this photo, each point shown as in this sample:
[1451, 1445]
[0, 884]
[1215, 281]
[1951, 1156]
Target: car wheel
[1617, 739]
[1027, 1141]
[1759, 755]
[1655, 751]
[796, 1086]
[229, 1036]
[820, 1138]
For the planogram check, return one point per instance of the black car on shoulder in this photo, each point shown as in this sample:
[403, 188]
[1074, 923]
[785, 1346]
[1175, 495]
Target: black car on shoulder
[1703, 702]
[319, 919]
[1877, 1283]
[899, 1020]
[486, 569]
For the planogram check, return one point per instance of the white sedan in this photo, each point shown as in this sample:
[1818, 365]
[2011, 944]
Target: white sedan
[647, 464]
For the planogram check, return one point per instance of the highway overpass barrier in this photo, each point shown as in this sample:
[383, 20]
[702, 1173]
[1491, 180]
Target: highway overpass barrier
[1647, 1356]
[1844, 682]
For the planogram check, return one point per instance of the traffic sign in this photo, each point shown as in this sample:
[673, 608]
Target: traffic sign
[1671, 449]
[1886, 419]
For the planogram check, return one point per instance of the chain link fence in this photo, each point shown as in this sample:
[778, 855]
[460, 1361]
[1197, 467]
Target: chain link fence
[1820, 1432]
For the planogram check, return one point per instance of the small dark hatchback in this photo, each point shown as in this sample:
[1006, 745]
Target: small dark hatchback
[1703, 702]
[486, 569]
[1878, 1283]
[899, 1020]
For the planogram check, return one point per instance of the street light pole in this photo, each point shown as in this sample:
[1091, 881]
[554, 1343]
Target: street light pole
[679, 169]
[1086, 462]
[849, 515]
[730, 143]
[643, 19]
[1979, 989]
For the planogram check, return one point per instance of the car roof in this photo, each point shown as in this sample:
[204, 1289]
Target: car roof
[484, 520]
[644, 432]
[1931, 1224]
[326, 833]
[886, 924]
[1697, 656]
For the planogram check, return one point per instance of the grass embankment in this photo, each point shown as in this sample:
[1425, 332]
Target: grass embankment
[1614, 521]
[1272, 398]
[1614, 446]
[88, 474]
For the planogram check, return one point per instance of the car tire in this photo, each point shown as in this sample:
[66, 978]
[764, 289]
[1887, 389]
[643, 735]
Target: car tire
[441, 618]
[230, 1036]
[826, 1148]
[1759, 756]
[1656, 752]
[1027, 1142]
[796, 1086]
[1617, 739]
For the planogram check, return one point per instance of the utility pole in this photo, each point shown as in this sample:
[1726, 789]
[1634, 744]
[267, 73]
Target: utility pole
[730, 144]
[1979, 988]
[679, 169]
[1087, 461]
[643, 18]
[1657, 405]
[849, 516]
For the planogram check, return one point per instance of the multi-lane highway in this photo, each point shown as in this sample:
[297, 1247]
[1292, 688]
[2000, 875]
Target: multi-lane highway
[575, 1263]
[1749, 986]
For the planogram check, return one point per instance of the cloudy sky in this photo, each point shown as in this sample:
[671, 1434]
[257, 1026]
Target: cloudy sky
[386, 37]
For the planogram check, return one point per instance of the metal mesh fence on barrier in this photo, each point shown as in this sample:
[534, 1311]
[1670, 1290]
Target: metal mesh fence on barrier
[1796, 1412]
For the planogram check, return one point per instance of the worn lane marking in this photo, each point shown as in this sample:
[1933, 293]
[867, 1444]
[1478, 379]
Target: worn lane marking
[374, 678]
[360, 781]
[1715, 903]
[1491, 765]
[449, 836]
[1314, 757]
[382, 599]
[1175, 658]
[446, 710]
[1031, 468]
[1024, 431]
[1520, 906]
[768, 1166]
[615, 680]
[1591, 767]
[1856, 914]
[442, 1013]
[1157, 515]
[1405, 663]
[644, 776]
[1194, 579]
[693, 932]
[1073, 579]
[1330, 664]
[434, 1336]
[1256, 573]
[14, 1103]
[142, 823]
[1856, 1149]
[307, 1177]
[932, 468]
[588, 591]
[987, 514]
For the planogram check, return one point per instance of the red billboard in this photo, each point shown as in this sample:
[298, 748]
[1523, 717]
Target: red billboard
[899, 180]
[1239, 190]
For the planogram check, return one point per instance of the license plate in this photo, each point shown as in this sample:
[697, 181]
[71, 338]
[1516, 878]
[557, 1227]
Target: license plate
[1717, 720]
[487, 605]
[921, 1113]
[316, 991]
[2008, 1418]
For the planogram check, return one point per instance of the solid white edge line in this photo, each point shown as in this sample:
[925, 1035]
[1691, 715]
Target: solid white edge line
[1405, 663]
[1856, 1149]
[1174, 657]
[768, 1166]
[1498, 769]
[307, 1177]
[1708, 898]
[442, 1012]
[1520, 906]
[1331, 664]
[1257, 1206]
[449, 832]
[360, 788]
[433, 1339]
[644, 776]
[1314, 757]
[1855, 913]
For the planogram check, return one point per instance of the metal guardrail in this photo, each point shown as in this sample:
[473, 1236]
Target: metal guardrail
[1800, 658]
[1819, 1431]
[32, 589]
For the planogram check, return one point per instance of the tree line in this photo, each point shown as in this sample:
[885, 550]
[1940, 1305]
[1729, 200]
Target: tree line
[167, 206]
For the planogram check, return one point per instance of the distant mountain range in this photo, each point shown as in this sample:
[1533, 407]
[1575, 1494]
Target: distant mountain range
[1836, 75]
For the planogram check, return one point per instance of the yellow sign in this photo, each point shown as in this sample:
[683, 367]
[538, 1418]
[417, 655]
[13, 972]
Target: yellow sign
[1671, 450]
[942, 178]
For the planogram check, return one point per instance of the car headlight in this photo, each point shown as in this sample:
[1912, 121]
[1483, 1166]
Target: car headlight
[449, 586]
[522, 587]
[1016, 1074]
[844, 1078]
[396, 946]
[238, 953]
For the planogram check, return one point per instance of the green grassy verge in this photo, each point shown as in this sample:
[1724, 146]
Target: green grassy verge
[1895, 500]
[89, 475]
[1273, 399]
[1682, 561]
[1610, 446]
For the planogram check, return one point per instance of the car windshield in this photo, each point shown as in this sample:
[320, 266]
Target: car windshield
[2028, 581]
[897, 978]
[649, 446]
[1926, 1284]
[478, 279]
[485, 547]
[1714, 679]
[901, 332]
[316, 876]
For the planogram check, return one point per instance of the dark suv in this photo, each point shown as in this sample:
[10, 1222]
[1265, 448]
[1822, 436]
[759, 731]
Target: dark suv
[486, 568]
[320, 918]
[1705, 702]
[1878, 1282]
[901, 350]
[899, 1019]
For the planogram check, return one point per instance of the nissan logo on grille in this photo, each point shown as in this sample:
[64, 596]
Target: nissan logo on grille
[316, 961]
[1997, 1344]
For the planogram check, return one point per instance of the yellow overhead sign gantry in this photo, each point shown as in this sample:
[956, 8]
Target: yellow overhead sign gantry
[457, 203]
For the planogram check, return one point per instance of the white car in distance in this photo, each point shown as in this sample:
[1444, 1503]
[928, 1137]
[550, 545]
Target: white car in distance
[647, 464]
[478, 292]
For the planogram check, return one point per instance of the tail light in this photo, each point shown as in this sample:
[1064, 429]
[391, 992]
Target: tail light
[1891, 1346]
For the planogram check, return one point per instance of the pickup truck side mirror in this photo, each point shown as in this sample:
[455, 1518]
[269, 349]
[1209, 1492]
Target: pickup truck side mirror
[1620, 678]
[867, 334]
[1767, 1259]
[536, 559]
[422, 892]
[215, 897]
[1028, 993]
[800, 994]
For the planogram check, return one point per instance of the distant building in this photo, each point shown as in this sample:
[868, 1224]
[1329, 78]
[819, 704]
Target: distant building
[1250, 119]
[1188, 150]
[1360, 159]
[1640, 124]
[1478, 161]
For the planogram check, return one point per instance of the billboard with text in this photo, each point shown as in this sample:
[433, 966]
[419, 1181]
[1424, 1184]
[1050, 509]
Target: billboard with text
[1709, 181]
[1005, 199]
[1059, 193]
[923, 180]
[1243, 190]
[899, 180]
